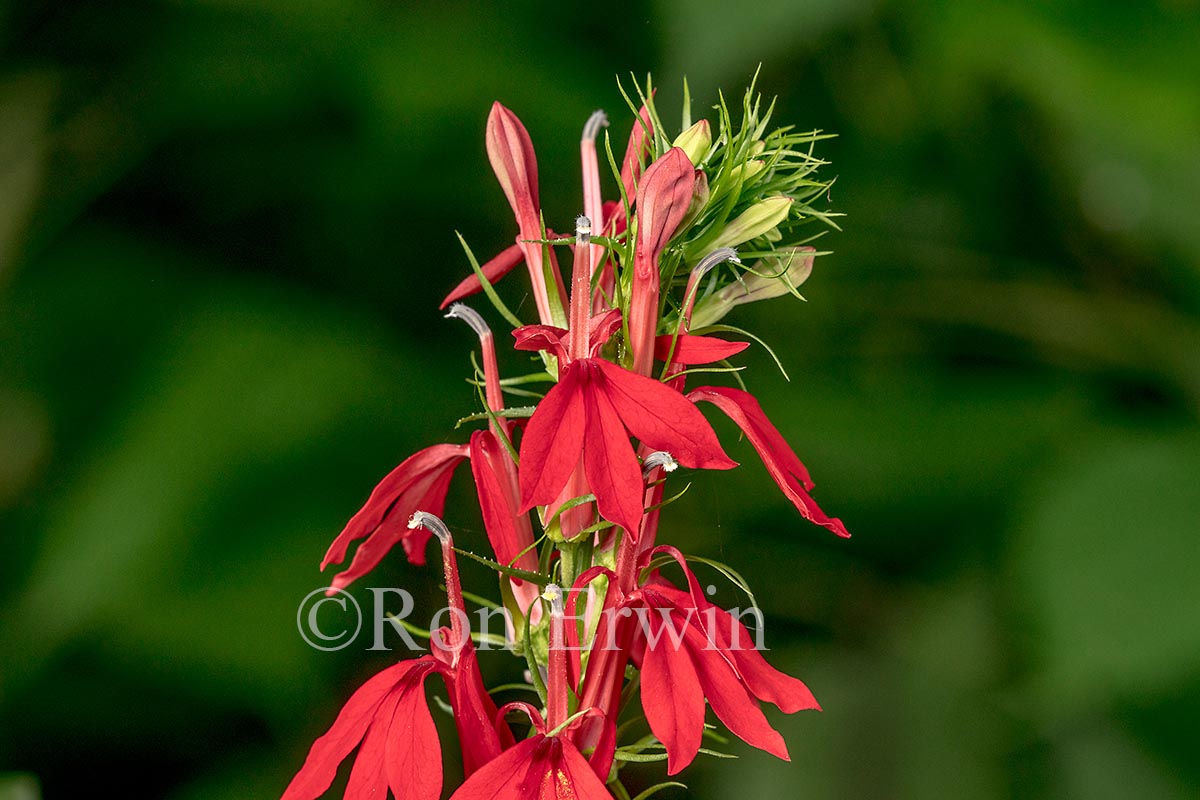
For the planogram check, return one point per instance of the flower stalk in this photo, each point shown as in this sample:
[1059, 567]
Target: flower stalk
[572, 488]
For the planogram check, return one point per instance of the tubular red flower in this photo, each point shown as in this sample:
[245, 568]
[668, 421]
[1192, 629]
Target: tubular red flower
[400, 748]
[510, 151]
[508, 530]
[591, 412]
[663, 197]
[781, 461]
[420, 482]
[694, 650]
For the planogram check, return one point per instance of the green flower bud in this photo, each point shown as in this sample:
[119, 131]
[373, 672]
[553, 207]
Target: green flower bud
[746, 171]
[695, 141]
[753, 222]
[771, 277]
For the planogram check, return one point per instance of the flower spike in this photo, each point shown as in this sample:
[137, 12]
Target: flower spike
[592, 602]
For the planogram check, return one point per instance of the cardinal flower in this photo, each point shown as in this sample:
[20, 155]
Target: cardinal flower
[693, 650]
[389, 721]
[591, 413]
[420, 482]
[399, 744]
[662, 202]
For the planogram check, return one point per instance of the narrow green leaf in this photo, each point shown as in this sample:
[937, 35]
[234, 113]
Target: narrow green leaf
[536, 578]
[497, 303]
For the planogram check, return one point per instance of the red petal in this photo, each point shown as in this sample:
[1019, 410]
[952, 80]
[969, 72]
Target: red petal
[738, 646]
[541, 337]
[611, 466]
[673, 700]
[538, 768]
[506, 775]
[508, 536]
[493, 270]
[730, 700]
[663, 419]
[553, 440]
[572, 777]
[414, 480]
[781, 462]
[327, 753]
[368, 777]
[601, 328]
[412, 754]
[475, 714]
[690, 349]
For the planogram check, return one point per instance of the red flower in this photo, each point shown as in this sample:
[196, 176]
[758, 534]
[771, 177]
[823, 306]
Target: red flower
[695, 650]
[591, 413]
[420, 482]
[510, 151]
[399, 743]
[780, 460]
[388, 715]
[400, 748]
[508, 530]
[662, 202]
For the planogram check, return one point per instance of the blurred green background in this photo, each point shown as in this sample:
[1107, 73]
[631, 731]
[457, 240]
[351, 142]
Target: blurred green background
[224, 228]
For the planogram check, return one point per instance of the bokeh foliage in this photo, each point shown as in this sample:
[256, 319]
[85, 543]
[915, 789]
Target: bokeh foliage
[224, 228]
